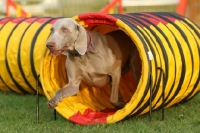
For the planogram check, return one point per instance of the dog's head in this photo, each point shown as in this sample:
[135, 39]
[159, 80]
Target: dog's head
[67, 34]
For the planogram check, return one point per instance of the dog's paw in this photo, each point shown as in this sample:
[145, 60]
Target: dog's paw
[118, 105]
[52, 104]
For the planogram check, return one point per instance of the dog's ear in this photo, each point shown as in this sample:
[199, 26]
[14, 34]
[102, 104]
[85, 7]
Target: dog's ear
[81, 42]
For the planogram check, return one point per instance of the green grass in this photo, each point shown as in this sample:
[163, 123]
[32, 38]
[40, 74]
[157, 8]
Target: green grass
[18, 115]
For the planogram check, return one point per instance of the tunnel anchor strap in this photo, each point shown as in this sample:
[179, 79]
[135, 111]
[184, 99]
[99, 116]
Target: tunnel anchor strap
[150, 100]
[37, 100]
[163, 91]
[163, 94]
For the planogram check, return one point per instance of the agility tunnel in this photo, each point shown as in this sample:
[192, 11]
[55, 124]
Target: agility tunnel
[169, 49]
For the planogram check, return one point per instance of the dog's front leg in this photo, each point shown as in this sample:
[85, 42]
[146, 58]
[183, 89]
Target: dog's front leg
[72, 88]
[69, 90]
[116, 98]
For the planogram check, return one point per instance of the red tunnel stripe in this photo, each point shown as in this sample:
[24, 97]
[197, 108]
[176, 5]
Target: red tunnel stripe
[157, 19]
[92, 19]
[30, 20]
[4, 20]
[92, 117]
[17, 20]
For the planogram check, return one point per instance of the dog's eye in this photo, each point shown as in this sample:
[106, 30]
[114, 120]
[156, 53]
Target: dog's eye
[64, 29]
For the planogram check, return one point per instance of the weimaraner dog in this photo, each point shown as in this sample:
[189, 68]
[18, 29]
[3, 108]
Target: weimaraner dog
[97, 59]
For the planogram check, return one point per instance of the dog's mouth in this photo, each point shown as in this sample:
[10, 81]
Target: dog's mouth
[57, 52]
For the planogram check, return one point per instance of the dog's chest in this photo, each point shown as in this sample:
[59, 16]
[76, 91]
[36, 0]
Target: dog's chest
[96, 69]
[97, 64]
[96, 74]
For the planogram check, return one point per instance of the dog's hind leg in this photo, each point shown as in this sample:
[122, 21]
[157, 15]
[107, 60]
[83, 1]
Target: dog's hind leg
[116, 98]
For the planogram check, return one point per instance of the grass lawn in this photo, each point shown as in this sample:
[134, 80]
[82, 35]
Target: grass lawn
[18, 115]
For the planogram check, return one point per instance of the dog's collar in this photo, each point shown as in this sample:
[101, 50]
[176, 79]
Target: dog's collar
[90, 42]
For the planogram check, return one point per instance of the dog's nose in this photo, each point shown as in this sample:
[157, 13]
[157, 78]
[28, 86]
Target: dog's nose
[50, 44]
